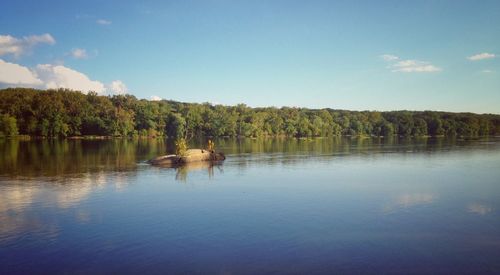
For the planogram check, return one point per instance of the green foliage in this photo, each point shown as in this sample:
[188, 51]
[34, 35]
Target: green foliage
[194, 120]
[8, 125]
[181, 147]
[176, 126]
[60, 113]
[123, 123]
[387, 129]
[435, 127]
[419, 127]
[304, 127]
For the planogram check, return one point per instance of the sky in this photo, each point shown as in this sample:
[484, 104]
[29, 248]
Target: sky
[356, 55]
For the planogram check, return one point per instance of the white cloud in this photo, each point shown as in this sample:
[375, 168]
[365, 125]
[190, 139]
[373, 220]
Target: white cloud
[103, 22]
[52, 76]
[389, 57]
[410, 66]
[481, 56]
[79, 53]
[36, 39]
[15, 74]
[58, 76]
[18, 46]
[487, 71]
[156, 98]
[117, 87]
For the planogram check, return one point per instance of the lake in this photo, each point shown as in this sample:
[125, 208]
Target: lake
[339, 205]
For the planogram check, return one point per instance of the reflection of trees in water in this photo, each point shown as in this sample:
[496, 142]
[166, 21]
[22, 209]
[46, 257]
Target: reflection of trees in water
[243, 152]
[208, 166]
[52, 157]
[333, 145]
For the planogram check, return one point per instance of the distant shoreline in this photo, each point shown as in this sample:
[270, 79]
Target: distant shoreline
[27, 137]
[72, 114]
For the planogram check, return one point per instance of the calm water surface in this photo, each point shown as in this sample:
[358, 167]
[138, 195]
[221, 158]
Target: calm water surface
[274, 206]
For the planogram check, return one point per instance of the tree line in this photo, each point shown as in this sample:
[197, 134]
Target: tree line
[63, 113]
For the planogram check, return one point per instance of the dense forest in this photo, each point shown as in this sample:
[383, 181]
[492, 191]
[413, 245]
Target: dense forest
[63, 113]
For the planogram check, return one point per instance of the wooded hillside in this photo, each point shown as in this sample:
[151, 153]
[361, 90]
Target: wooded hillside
[61, 113]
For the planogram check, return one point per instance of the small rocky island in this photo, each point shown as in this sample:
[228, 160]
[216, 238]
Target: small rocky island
[191, 155]
[184, 155]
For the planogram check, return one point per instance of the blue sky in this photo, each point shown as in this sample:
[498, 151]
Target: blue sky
[359, 55]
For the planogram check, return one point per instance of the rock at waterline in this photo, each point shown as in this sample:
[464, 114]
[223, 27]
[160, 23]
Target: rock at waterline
[192, 155]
